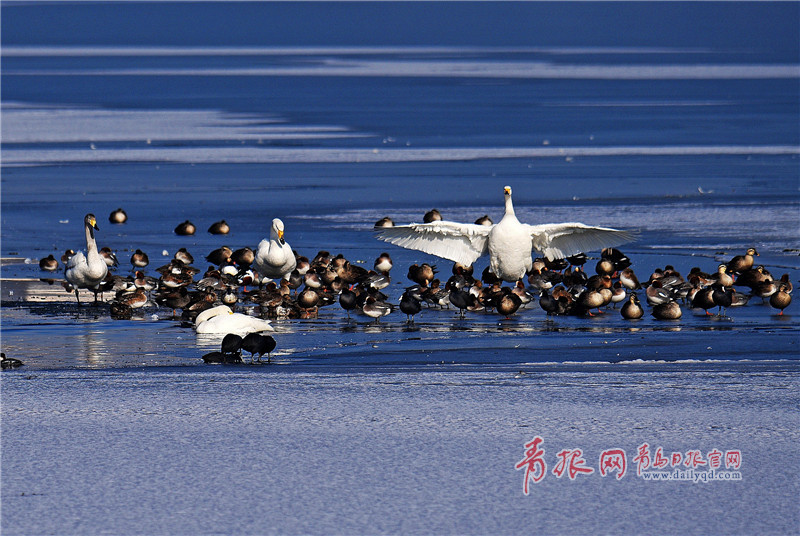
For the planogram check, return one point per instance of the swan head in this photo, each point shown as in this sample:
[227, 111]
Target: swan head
[507, 191]
[277, 231]
[91, 223]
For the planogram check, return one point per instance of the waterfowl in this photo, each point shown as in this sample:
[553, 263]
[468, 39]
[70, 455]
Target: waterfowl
[508, 243]
[243, 257]
[619, 294]
[508, 303]
[222, 319]
[460, 299]
[118, 216]
[577, 260]
[740, 263]
[347, 299]
[220, 227]
[656, 294]
[9, 362]
[184, 256]
[632, 308]
[185, 229]
[384, 222]
[255, 343]
[67, 255]
[48, 264]
[219, 255]
[431, 216]
[376, 309]
[274, 257]
[781, 298]
[135, 299]
[484, 220]
[383, 263]
[120, 311]
[704, 299]
[231, 345]
[410, 304]
[722, 276]
[87, 271]
[722, 297]
[109, 257]
[308, 299]
[139, 259]
[629, 280]
[667, 311]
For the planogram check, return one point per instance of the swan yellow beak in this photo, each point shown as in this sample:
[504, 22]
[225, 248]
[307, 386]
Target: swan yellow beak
[507, 190]
[93, 223]
[280, 235]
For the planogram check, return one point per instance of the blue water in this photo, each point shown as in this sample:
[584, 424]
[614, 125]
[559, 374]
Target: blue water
[676, 120]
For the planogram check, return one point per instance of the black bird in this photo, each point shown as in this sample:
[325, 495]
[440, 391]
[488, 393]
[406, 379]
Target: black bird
[9, 362]
[461, 299]
[232, 345]
[722, 297]
[348, 300]
[410, 305]
[255, 343]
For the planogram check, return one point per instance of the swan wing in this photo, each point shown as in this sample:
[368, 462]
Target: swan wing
[459, 242]
[559, 240]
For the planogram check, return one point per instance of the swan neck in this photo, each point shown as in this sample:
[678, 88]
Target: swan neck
[509, 206]
[91, 245]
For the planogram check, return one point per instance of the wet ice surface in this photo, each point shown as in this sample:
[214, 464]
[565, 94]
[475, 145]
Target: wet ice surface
[264, 450]
[687, 135]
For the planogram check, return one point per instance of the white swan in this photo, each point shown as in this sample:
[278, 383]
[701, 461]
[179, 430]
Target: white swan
[274, 257]
[86, 271]
[221, 319]
[509, 243]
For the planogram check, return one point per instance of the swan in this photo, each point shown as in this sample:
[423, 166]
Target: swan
[87, 271]
[222, 319]
[508, 243]
[274, 257]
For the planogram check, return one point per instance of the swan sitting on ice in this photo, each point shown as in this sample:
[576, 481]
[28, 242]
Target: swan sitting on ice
[509, 243]
[87, 271]
[221, 319]
[274, 257]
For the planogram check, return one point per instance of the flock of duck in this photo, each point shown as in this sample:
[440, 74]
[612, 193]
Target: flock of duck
[285, 284]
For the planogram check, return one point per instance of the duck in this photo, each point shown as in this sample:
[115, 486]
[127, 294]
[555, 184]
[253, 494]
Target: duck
[410, 304]
[484, 220]
[139, 259]
[243, 257]
[118, 216]
[256, 343]
[781, 298]
[222, 319]
[9, 362]
[48, 264]
[722, 297]
[219, 255]
[629, 280]
[509, 243]
[507, 303]
[384, 222]
[220, 227]
[67, 255]
[431, 216]
[184, 256]
[87, 271]
[667, 311]
[740, 263]
[185, 229]
[376, 309]
[704, 299]
[274, 257]
[109, 257]
[383, 264]
[722, 276]
[632, 309]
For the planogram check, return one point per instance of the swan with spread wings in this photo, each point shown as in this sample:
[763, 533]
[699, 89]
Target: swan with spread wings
[509, 243]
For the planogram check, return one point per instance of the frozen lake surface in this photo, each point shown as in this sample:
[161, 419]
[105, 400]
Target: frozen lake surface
[332, 116]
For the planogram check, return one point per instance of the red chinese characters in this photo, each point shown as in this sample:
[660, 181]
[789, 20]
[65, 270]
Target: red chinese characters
[642, 458]
[534, 464]
[572, 461]
[612, 460]
[733, 458]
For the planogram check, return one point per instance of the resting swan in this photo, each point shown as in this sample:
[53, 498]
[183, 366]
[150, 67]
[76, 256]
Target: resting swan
[87, 271]
[509, 243]
[274, 257]
[221, 319]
